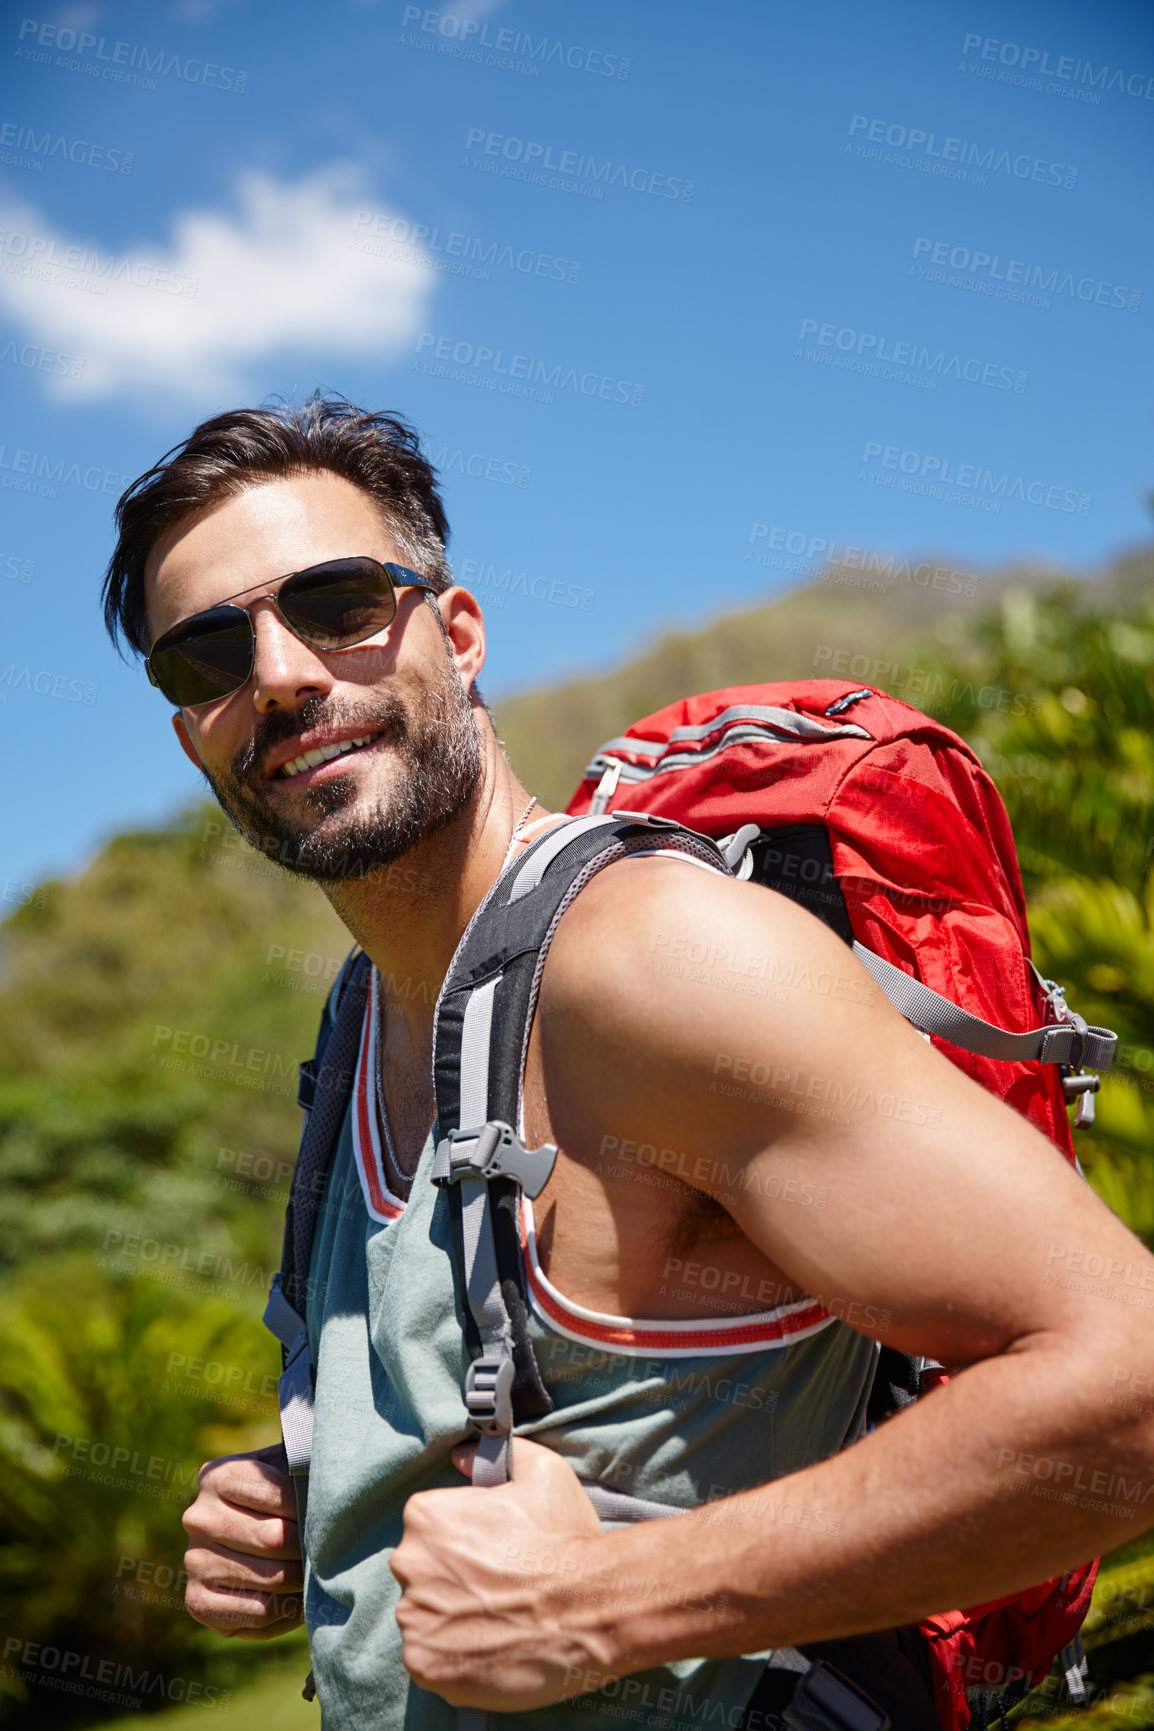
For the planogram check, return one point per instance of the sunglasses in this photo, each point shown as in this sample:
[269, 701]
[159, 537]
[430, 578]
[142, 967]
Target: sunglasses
[332, 606]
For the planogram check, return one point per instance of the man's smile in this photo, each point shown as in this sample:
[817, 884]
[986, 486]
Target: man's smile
[313, 750]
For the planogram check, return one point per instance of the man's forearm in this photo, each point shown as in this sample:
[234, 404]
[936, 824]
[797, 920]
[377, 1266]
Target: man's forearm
[1014, 1472]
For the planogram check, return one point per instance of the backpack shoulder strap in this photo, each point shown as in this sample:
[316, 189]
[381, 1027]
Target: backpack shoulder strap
[481, 1035]
[326, 1083]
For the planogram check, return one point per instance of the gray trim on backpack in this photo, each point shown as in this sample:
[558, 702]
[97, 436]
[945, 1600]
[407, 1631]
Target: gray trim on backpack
[1071, 1042]
[739, 724]
[788, 721]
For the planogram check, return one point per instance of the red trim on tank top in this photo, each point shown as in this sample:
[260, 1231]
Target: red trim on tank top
[379, 1199]
[772, 1328]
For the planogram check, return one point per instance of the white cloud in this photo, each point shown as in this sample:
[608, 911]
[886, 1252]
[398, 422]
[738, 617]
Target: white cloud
[282, 275]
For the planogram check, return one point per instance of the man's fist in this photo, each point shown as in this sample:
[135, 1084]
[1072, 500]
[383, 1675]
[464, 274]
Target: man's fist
[245, 1575]
[494, 1582]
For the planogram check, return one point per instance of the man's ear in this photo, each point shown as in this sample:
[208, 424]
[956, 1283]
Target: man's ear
[465, 629]
[186, 745]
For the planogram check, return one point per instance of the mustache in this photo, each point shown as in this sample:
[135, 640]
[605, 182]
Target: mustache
[385, 714]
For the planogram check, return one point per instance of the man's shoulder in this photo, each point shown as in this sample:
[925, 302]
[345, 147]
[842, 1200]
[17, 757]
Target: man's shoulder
[636, 917]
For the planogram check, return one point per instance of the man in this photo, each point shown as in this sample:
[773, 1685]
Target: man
[347, 758]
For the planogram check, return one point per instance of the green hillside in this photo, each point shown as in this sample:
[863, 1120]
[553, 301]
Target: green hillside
[154, 1006]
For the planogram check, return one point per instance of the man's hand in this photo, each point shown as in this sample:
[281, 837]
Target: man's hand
[489, 1611]
[245, 1575]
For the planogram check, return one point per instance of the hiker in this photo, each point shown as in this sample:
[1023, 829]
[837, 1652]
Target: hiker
[710, 1263]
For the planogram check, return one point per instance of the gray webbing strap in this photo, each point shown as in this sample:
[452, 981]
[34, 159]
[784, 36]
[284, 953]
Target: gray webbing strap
[1075, 1669]
[788, 1659]
[489, 1380]
[620, 1506]
[1070, 1042]
[295, 1388]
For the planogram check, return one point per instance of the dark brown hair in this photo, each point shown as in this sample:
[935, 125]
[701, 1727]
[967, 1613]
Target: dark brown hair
[379, 453]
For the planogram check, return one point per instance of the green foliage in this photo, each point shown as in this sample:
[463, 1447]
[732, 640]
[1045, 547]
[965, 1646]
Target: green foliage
[1058, 701]
[149, 1035]
[153, 1012]
[1129, 1707]
[116, 1389]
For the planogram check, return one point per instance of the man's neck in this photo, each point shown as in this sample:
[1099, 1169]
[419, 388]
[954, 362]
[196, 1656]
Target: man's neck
[410, 915]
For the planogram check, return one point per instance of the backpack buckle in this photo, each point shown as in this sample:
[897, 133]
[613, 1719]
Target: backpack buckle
[493, 1150]
[307, 1084]
[489, 1394]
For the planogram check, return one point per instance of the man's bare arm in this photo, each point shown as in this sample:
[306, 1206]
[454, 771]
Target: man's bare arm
[947, 1217]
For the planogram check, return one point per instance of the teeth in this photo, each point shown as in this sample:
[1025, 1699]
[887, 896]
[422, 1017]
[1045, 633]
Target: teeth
[323, 754]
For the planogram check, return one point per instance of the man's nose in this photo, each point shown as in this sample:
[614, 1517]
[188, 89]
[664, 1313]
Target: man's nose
[285, 668]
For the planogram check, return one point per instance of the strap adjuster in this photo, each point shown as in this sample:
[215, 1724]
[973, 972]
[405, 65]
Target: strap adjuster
[489, 1394]
[493, 1150]
[307, 1084]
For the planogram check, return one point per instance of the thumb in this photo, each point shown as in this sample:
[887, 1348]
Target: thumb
[463, 1457]
[543, 1477]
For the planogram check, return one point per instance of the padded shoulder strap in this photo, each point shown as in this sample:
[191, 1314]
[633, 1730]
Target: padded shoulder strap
[481, 1037]
[329, 1079]
[326, 1083]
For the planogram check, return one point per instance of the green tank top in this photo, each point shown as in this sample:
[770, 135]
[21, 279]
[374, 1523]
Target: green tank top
[680, 1412]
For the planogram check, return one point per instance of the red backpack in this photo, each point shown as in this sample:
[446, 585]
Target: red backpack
[884, 824]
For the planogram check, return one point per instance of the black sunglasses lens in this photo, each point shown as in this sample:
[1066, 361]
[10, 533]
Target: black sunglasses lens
[335, 605]
[207, 657]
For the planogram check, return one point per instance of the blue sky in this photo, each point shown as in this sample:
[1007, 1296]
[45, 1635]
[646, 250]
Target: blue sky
[678, 295]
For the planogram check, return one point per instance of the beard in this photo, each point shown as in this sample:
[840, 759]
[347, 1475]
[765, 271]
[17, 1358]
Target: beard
[432, 747]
